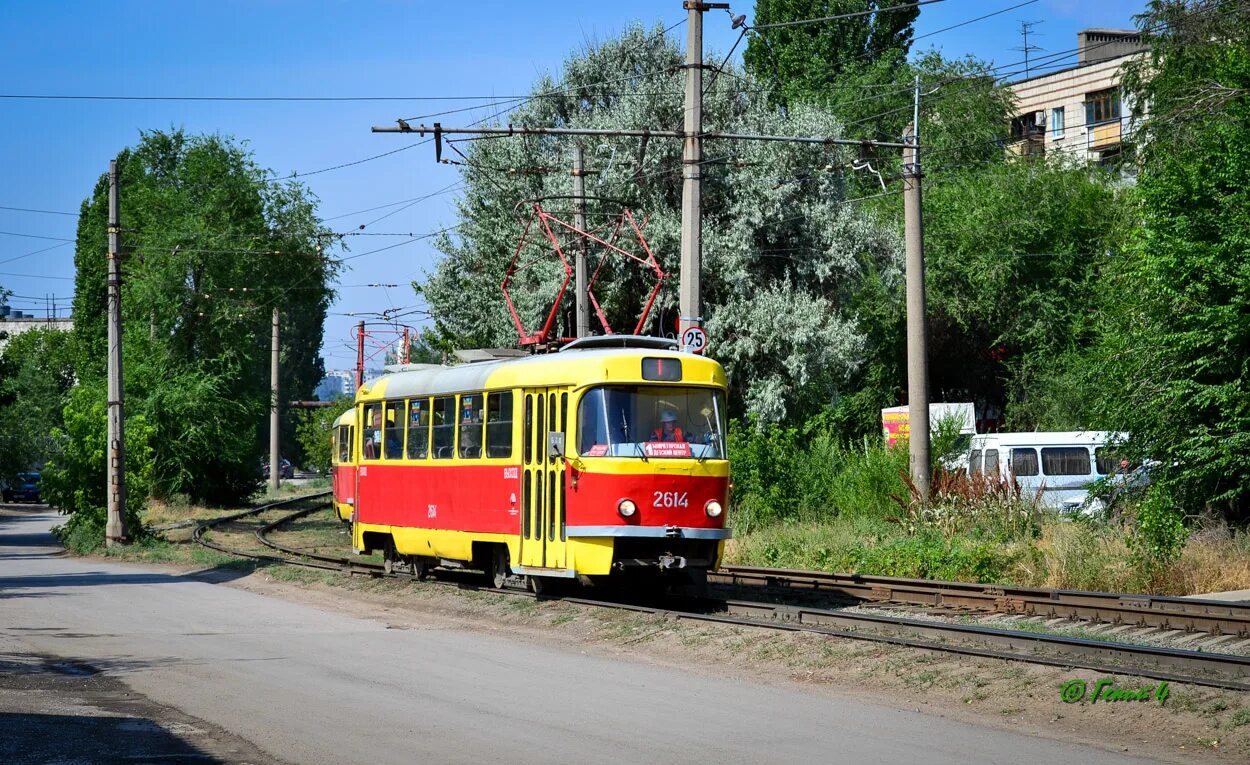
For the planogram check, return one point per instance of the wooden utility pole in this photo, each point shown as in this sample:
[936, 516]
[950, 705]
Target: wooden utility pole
[579, 199]
[115, 528]
[275, 446]
[917, 343]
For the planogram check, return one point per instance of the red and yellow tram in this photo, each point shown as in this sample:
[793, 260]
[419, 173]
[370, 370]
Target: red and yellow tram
[605, 458]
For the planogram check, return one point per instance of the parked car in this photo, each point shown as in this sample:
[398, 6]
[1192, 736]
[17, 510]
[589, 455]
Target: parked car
[285, 469]
[24, 489]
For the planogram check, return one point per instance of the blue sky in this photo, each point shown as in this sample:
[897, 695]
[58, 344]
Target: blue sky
[54, 150]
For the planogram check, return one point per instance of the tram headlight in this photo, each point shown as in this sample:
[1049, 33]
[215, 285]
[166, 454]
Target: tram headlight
[713, 509]
[626, 508]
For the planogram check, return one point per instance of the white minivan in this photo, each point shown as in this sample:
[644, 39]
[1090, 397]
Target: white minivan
[1062, 464]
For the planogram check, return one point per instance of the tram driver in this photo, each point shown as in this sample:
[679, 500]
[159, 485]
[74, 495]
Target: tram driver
[668, 430]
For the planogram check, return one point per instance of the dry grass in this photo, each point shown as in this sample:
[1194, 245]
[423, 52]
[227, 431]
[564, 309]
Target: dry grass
[1213, 560]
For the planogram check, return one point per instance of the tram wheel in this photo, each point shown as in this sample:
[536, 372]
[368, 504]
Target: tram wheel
[500, 570]
[420, 567]
[390, 556]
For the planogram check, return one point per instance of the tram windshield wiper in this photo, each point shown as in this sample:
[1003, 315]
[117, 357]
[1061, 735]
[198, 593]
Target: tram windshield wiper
[637, 446]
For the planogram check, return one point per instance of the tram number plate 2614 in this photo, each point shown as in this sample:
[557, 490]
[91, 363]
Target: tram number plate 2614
[671, 499]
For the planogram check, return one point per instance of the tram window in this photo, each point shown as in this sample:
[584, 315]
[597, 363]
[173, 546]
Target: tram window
[529, 429]
[344, 444]
[499, 425]
[444, 419]
[1024, 461]
[974, 462]
[648, 421]
[471, 424]
[371, 446]
[991, 462]
[540, 436]
[418, 428]
[393, 431]
[526, 503]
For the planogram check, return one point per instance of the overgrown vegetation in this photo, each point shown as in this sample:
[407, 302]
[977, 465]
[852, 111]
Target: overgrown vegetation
[804, 500]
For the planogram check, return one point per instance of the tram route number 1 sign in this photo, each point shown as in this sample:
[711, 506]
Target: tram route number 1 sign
[694, 339]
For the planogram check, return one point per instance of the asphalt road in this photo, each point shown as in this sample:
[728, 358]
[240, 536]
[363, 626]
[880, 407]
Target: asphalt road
[309, 686]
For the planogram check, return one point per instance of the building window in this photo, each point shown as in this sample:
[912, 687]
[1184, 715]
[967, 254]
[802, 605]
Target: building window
[1056, 121]
[1103, 106]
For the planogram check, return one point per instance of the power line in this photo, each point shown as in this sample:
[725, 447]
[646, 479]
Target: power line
[44, 212]
[780, 24]
[36, 236]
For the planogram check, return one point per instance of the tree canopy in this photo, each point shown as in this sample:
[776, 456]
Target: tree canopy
[1172, 356]
[782, 248]
[807, 62]
[212, 244]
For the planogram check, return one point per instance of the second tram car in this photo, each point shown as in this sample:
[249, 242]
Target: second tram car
[606, 458]
[343, 464]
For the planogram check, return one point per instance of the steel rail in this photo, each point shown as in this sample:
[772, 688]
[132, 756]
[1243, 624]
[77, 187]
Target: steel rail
[1162, 612]
[1170, 664]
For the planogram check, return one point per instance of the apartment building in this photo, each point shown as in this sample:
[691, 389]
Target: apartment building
[1079, 110]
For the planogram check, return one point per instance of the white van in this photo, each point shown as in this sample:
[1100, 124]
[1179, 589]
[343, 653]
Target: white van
[1062, 464]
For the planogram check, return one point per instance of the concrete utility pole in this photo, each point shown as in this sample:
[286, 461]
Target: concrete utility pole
[360, 355]
[275, 446]
[917, 343]
[404, 355]
[689, 304]
[579, 194]
[115, 528]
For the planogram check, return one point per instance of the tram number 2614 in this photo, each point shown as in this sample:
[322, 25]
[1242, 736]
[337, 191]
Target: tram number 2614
[671, 499]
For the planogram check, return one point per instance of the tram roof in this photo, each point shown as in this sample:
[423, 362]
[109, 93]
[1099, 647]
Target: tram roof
[346, 418]
[572, 366]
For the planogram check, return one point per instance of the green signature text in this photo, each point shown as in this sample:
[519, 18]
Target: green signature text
[1104, 689]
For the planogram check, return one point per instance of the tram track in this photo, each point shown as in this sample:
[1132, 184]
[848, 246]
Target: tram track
[1180, 665]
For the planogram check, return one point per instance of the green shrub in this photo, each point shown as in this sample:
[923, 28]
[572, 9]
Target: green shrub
[929, 555]
[75, 480]
[1160, 531]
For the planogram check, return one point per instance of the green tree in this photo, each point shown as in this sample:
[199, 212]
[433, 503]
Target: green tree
[782, 251]
[1172, 355]
[212, 244]
[36, 373]
[314, 429]
[806, 62]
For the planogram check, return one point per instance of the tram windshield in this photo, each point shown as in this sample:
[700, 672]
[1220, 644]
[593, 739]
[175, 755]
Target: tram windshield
[651, 421]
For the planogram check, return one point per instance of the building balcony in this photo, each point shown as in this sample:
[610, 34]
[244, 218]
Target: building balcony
[1104, 135]
[1031, 145]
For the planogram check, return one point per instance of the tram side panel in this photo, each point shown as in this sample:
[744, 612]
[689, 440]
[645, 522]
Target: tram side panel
[439, 511]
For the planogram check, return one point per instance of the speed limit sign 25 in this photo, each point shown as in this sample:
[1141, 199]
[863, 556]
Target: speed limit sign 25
[694, 339]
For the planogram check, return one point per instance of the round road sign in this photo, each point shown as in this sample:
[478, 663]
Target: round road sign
[694, 339]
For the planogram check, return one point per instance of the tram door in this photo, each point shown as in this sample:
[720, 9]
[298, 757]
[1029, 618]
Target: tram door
[542, 522]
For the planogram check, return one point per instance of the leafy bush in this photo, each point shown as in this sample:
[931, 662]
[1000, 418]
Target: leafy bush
[75, 480]
[1159, 533]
